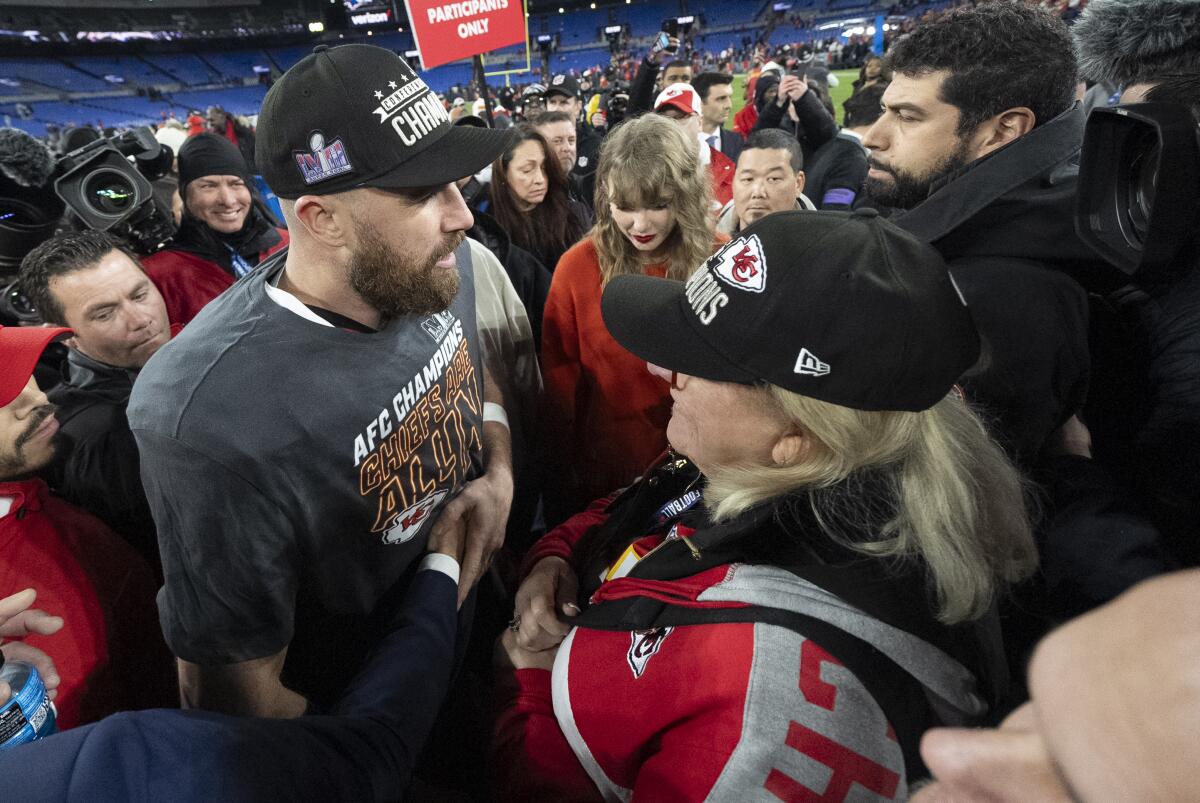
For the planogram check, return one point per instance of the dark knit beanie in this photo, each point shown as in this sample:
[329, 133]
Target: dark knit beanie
[209, 154]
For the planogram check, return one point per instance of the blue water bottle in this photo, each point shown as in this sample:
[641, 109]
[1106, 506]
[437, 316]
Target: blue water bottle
[29, 714]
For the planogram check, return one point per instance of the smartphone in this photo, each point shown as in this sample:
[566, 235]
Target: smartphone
[664, 41]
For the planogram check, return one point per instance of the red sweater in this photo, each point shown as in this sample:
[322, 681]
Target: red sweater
[722, 169]
[605, 415]
[110, 654]
[188, 282]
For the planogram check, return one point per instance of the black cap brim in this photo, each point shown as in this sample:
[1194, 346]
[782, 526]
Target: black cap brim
[650, 318]
[462, 151]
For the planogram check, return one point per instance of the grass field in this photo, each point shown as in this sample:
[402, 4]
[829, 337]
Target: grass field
[839, 92]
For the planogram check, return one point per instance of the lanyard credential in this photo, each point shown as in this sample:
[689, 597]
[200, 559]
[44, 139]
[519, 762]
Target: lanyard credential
[240, 266]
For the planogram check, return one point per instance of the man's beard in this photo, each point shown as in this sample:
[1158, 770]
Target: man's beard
[14, 465]
[906, 190]
[394, 283]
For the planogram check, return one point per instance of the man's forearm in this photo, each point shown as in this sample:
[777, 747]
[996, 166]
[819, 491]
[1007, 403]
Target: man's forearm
[250, 688]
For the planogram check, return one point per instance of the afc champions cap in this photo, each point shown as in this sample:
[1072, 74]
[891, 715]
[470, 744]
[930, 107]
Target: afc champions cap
[838, 306]
[358, 116]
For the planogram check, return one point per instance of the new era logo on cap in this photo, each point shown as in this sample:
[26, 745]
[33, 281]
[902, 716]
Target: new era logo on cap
[808, 364]
[741, 264]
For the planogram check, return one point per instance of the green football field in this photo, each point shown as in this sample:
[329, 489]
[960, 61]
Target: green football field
[839, 92]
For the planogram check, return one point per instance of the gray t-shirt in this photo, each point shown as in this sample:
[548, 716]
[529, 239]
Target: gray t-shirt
[293, 470]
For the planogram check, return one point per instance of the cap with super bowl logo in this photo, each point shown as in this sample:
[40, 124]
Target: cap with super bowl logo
[358, 116]
[844, 307]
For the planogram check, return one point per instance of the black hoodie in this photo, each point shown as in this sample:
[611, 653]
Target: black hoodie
[1005, 225]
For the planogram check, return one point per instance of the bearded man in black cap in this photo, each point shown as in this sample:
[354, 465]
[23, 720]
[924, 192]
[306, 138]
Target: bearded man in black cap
[307, 435]
[226, 229]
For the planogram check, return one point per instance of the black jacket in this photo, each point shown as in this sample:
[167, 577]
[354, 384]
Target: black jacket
[1005, 225]
[814, 129]
[530, 278]
[834, 176]
[641, 91]
[587, 156]
[732, 144]
[97, 466]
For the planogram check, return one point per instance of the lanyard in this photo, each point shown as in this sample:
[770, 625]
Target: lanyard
[240, 266]
[677, 505]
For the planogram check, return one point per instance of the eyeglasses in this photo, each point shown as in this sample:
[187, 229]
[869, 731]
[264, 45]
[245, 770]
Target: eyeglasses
[671, 377]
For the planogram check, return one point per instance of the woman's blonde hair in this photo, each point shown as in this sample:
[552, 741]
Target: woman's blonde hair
[645, 163]
[950, 496]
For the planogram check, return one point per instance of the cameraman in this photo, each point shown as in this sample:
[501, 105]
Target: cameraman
[226, 230]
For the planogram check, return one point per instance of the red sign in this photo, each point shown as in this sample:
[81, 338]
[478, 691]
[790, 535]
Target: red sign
[449, 30]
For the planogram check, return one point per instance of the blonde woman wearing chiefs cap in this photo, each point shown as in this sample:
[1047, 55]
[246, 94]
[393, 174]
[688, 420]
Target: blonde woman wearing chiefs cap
[807, 582]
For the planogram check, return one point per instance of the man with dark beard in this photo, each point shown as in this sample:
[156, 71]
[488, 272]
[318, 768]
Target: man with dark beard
[977, 141]
[305, 437]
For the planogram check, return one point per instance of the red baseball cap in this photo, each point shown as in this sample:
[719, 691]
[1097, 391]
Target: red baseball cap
[679, 96]
[20, 349]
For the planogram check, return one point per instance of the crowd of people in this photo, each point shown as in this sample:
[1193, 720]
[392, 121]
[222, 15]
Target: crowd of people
[625, 450]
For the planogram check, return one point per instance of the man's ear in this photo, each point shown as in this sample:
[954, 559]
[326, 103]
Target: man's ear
[324, 218]
[800, 181]
[1007, 126]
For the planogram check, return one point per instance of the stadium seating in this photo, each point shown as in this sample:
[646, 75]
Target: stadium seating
[135, 71]
[52, 74]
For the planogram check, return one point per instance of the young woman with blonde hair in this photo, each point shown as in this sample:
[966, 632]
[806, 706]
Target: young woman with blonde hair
[605, 417]
[781, 607]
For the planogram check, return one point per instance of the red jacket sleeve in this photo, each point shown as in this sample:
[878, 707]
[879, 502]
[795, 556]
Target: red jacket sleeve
[560, 542]
[530, 757]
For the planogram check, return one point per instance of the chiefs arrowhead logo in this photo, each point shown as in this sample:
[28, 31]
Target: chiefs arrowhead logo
[409, 522]
[645, 644]
[741, 264]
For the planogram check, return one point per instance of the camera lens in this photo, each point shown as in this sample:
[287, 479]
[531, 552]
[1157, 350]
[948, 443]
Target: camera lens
[109, 192]
[1141, 181]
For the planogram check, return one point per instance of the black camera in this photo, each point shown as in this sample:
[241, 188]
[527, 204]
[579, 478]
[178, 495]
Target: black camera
[107, 193]
[1139, 184]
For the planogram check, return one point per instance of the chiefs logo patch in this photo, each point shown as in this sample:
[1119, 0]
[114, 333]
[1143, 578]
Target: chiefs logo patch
[646, 644]
[409, 522]
[741, 264]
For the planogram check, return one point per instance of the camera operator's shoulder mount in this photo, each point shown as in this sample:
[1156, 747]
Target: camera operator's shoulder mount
[1138, 202]
[108, 193]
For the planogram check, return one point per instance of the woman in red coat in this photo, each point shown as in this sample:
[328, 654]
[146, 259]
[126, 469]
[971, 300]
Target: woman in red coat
[605, 417]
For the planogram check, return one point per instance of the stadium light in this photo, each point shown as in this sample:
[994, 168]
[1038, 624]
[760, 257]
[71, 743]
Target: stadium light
[560, 9]
[316, 27]
[593, 6]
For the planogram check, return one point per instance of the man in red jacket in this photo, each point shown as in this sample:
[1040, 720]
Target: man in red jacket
[226, 231]
[113, 656]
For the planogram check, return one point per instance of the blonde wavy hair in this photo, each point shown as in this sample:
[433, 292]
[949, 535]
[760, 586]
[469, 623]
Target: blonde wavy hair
[951, 496]
[645, 163]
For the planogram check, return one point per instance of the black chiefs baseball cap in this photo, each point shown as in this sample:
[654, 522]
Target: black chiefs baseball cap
[358, 116]
[839, 306]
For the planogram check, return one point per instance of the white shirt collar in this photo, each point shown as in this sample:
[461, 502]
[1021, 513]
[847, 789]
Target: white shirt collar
[289, 302]
[850, 133]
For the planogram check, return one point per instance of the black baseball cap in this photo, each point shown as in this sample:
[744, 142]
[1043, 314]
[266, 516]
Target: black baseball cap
[563, 84]
[839, 306]
[358, 116]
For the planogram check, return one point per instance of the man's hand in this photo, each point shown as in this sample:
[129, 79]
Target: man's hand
[1072, 438]
[550, 589]
[657, 50]
[482, 510]
[792, 88]
[17, 620]
[511, 655]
